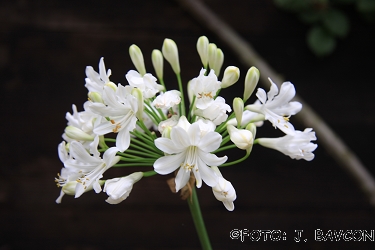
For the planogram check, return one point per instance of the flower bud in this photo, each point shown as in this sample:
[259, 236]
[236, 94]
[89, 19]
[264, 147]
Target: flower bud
[202, 47]
[111, 85]
[157, 62]
[242, 138]
[238, 109]
[118, 189]
[77, 134]
[95, 97]
[137, 59]
[218, 63]
[252, 128]
[137, 93]
[251, 81]
[231, 76]
[170, 53]
[212, 54]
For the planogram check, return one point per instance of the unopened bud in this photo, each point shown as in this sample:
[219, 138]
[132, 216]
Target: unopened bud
[212, 54]
[252, 128]
[77, 134]
[218, 63]
[251, 81]
[231, 76]
[238, 109]
[157, 62]
[202, 47]
[95, 97]
[137, 59]
[170, 53]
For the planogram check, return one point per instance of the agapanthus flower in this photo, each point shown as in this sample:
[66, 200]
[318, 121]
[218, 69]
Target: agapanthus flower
[120, 108]
[167, 100]
[205, 88]
[189, 150]
[276, 106]
[147, 83]
[297, 145]
[95, 81]
[90, 167]
[224, 190]
[216, 111]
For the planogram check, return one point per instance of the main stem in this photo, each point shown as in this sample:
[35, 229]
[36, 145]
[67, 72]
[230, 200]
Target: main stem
[198, 220]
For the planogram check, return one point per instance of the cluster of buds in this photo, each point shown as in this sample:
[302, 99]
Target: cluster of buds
[142, 124]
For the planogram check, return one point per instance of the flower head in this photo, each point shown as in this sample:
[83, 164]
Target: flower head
[216, 112]
[224, 191]
[189, 150]
[146, 83]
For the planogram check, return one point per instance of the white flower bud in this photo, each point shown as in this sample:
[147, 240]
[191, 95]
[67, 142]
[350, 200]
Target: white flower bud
[118, 189]
[202, 47]
[170, 53]
[242, 138]
[238, 109]
[224, 190]
[252, 128]
[218, 63]
[251, 81]
[137, 59]
[231, 76]
[211, 54]
[77, 134]
[157, 61]
[111, 85]
[95, 97]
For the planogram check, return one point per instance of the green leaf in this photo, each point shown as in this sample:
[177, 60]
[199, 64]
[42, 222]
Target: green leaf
[336, 22]
[320, 41]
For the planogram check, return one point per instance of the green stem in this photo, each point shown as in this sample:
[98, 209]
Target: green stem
[198, 220]
[182, 103]
[236, 161]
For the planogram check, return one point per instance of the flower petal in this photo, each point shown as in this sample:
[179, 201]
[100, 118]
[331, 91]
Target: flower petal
[166, 145]
[211, 159]
[182, 178]
[210, 142]
[168, 164]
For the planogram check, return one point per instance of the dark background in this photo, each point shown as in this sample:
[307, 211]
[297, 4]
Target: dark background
[44, 49]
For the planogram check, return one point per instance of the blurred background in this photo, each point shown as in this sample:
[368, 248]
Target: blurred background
[44, 49]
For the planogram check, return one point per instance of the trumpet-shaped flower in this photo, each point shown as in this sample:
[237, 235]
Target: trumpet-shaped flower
[147, 83]
[90, 168]
[121, 109]
[297, 145]
[205, 88]
[216, 112]
[224, 190]
[276, 106]
[189, 150]
[118, 189]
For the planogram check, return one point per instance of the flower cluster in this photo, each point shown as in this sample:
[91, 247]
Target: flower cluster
[144, 124]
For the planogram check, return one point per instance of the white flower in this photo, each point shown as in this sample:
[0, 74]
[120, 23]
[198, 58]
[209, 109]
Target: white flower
[189, 149]
[89, 167]
[224, 191]
[242, 138]
[297, 145]
[94, 81]
[276, 107]
[205, 88]
[121, 108]
[147, 84]
[118, 189]
[216, 112]
[167, 100]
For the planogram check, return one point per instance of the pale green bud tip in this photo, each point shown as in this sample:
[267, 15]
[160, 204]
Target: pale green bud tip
[202, 47]
[137, 59]
[112, 85]
[157, 62]
[251, 81]
[167, 132]
[252, 128]
[170, 53]
[212, 54]
[77, 134]
[231, 76]
[137, 93]
[238, 109]
[95, 97]
[218, 63]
